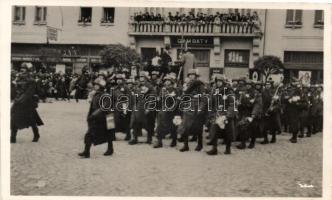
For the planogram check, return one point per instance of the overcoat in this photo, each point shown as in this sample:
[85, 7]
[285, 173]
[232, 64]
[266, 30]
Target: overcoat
[23, 110]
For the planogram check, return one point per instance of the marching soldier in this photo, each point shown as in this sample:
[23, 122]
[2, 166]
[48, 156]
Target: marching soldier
[122, 113]
[223, 115]
[141, 116]
[25, 103]
[294, 108]
[250, 111]
[271, 111]
[304, 115]
[98, 130]
[194, 117]
[168, 110]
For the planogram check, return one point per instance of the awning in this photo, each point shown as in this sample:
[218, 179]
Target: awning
[304, 66]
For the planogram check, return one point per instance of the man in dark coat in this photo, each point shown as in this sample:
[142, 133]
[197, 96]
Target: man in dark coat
[168, 109]
[304, 115]
[194, 118]
[294, 108]
[271, 111]
[141, 116]
[100, 128]
[81, 85]
[222, 116]
[122, 111]
[23, 110]
[250, 112]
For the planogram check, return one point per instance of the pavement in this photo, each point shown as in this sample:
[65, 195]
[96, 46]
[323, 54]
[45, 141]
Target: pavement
[52, 167]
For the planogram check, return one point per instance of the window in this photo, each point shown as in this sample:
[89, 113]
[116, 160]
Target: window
[303, 57]
[236, 58]
[319, 18]
[40, 15]
[293, 18]
[86, 15]
[108, 16]
[19, 15]
[202, 57]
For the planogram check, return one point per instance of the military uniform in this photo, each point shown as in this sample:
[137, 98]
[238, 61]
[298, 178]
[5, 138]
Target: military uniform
[168, 109]
[122, 112]
[272, 112]
[24, 109]
[98, 130]
[194, 118]
[250, 114]
[222, 117]
[141, 117]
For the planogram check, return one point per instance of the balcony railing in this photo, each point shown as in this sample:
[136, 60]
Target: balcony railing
[178, 28]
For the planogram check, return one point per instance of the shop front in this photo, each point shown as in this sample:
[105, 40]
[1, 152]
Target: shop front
[55, 58]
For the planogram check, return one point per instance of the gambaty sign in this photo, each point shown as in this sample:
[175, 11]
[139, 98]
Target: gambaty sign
[192, 41]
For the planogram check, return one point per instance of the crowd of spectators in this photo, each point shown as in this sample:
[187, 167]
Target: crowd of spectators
[198, 17]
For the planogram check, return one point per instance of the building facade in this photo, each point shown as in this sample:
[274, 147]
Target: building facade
[296, 36]
[81, 33]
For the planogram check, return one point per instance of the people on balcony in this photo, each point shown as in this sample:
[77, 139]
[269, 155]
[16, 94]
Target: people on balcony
[199, 17]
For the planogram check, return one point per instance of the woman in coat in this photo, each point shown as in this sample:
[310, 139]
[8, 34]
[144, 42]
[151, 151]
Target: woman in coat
[23, 110]
[99, 132]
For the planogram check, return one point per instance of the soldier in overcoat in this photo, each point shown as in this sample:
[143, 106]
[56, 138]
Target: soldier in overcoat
[141, 116]
[24, 108]
[194, 118]
[167, 110]
[98, 130]
[122, 114]
[223, 114]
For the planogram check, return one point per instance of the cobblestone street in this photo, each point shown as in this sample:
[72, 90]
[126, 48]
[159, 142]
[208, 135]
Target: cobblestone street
[52, 167]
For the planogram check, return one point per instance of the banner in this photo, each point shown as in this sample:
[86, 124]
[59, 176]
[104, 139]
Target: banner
[305, 77]
[52, 33]
[60, 68]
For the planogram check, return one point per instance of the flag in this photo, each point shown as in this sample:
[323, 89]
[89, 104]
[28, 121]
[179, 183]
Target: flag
[52, 33]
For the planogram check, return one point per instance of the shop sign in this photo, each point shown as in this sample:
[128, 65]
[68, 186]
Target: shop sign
[194, 41]
[216, 70]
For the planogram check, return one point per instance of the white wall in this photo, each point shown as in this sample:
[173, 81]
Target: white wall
[71, 32]
[278, 38]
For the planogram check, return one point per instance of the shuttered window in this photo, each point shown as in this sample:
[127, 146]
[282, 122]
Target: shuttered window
[294, 17]
[319, 17]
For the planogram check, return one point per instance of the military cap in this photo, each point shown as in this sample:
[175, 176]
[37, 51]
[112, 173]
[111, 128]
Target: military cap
[120, 76]
[154, 73]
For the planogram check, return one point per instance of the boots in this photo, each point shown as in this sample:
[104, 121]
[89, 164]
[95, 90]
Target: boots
[294, 138]
[252, 143]
[133, 142]
[110, 150]
[128, 137]
[173, 143]
[266, 140]
[12, 139]
[36, 135]
[242, 145]
[149, 138]
[159, 144]
[213, 151]
[13, 136]
[86, 152]
[273, 140]
[184, 148]
[228, 149]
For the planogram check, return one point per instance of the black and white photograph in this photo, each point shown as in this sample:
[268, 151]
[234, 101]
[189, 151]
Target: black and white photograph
[161, 100]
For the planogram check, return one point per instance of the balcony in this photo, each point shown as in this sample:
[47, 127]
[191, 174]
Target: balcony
[234, 29]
